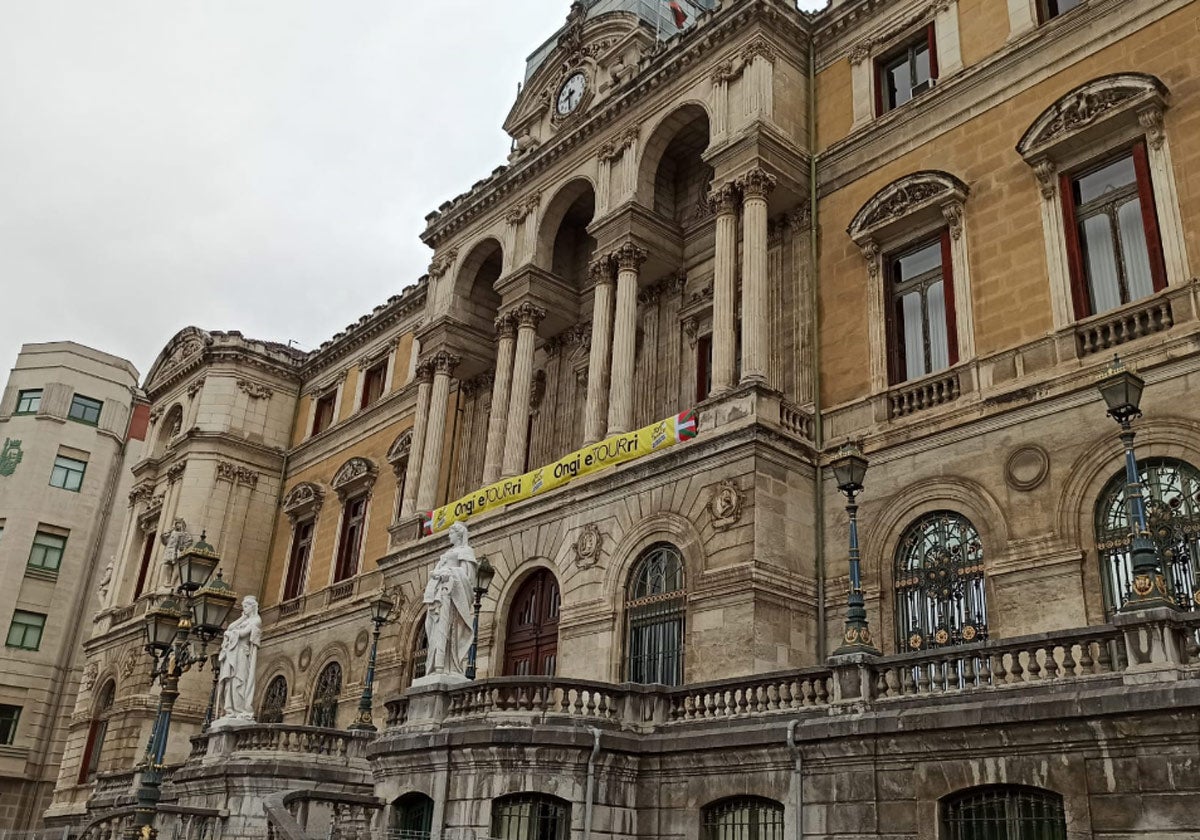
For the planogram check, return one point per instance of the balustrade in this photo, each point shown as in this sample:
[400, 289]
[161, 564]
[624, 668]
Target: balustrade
[1152, 316]
[928, 393]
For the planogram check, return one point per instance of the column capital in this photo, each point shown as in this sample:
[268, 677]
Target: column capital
[506, 326]
[724, 199]
[527, 314]
[757, 183]
[424, 372]
[444, 362]
[629, 257]
[1046, 172]
[600, 271]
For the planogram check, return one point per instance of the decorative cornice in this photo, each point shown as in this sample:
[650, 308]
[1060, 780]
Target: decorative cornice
[356, 475]
[304, 498]
[903, 197]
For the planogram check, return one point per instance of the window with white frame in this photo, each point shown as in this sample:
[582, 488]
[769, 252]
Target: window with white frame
[1110, 208]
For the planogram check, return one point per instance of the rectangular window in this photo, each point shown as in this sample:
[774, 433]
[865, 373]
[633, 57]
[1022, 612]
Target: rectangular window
[302, 536]
[144, 568]
[85, 410]
[1113, 242]
[47, 551]
[907, 72]
[68, 473]
[9, 716]
[373, 382]
[25, 632]
[1048, 9]
[323, 414]
[28, 402]
[354, 517]
[922, 335]
[704, 347]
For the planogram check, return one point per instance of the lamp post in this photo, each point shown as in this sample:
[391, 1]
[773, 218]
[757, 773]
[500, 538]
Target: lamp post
[381, 607]
[483, 580]
[1122, 391]
[199, 608]
[849, 469]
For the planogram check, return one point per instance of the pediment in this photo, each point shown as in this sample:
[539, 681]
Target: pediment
[355, 476]
[905, 198]
[303, 500]
[186, 347]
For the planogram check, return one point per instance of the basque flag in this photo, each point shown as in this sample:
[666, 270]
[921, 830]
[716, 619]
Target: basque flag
[677, 11]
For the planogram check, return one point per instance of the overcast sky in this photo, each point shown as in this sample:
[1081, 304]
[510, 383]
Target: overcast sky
[263, 166]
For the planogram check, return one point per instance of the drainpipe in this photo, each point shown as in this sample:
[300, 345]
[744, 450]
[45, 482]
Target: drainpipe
[814, 316]
[591, 784]
[797, 779]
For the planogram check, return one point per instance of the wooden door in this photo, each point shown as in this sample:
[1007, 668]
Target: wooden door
[532, 645]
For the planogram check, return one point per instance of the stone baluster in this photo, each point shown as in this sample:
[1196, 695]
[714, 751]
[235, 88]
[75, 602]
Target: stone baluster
[629, 259]
[493, 462]
[601, 272]
[756, 185]
[443, 364]
[412, 478]
[724, 200]
[527, 317]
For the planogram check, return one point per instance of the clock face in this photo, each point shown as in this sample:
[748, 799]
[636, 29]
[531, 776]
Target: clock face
[571, 93]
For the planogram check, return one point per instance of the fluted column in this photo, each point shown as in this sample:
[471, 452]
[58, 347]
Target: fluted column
[431, 470]
[527, 317]
[724, 344]
[493, 459]
[629, 259]
[595, 415]
[412, 477]
[756, 186]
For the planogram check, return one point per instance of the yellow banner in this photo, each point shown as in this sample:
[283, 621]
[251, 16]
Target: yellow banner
[609, 452]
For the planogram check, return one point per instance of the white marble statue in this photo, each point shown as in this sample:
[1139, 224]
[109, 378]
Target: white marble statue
[449, 597]
[105, 583]
[239, 654]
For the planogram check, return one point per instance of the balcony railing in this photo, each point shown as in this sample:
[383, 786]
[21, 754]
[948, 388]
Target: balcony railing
[906, 399]
[283, 738]
[1135, 321]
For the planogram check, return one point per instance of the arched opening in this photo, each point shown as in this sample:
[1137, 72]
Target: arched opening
[97, 732]
[939, 581]
[743, 818]
[1171, 491]
[654, 617]
[274, 699]
[680, 177]
[419, 656]
[564, 238]
[531, 816]
[476, 284]
[1004, 812]
[411, 817]
[323, 711]
[172, 425]
[531, 648]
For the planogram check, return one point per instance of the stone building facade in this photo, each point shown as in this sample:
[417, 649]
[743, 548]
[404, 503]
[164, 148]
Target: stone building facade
[920, 227]
[71, 418]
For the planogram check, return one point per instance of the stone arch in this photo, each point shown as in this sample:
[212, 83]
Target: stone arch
[333, 652]
[1087, 476]
[1090, 103]
[686, 115]
[280, 666]
[564, 245]
[474, 285]
[905, 197]
[886, 528]
[505, 602]
[171, 425]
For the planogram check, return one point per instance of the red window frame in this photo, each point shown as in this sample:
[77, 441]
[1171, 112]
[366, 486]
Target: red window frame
[880, 63]
[1081, 298]
[704, 345]
[302, 539]
[144, 567]
[354, 517]
[323, 414]
[374, 382]
[897, 360]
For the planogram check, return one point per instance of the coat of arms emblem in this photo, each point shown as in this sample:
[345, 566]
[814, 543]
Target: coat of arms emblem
[10, 456]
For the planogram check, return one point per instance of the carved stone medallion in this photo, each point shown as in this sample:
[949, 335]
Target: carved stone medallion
[587, 547]
[726, 503]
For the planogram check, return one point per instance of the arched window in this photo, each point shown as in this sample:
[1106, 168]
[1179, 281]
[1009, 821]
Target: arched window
[743, 818]
[940, 598]
[274, 700]
[1004, 812]
[325, 697]
[420, 651]
[1171, 489]
[531, 816]
[97, 732]
[531, 649]
[412, 817]
[654, 617]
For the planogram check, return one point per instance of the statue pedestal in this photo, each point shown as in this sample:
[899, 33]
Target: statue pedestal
[440, 680]
[429, 700]
[230, 723]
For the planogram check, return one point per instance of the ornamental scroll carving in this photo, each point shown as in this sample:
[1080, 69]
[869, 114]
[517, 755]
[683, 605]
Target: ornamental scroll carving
[398, 452]
[356, 475]
[255, 390]
[236, 474]
[304, 499]
[919, 193]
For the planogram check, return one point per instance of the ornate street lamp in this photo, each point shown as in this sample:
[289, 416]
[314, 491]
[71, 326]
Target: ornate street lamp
[1122, 391]
[849, 470]
[382, 608]
[483, 580]
[169, 630]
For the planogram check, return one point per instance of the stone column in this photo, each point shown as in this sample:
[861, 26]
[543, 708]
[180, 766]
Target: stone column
[412, 478]
[756, 186]
[601, 271]
[493, 459]
[527, 317]
[431, 469]
[724, 344]
[629, 259]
